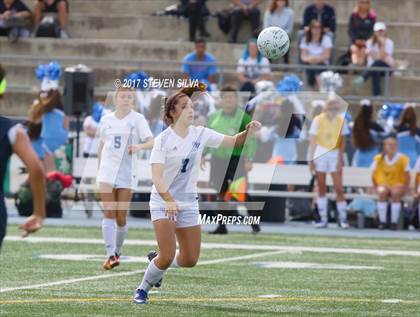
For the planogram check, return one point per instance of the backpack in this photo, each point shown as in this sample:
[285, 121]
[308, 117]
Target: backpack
[48, 28]
[24, 199]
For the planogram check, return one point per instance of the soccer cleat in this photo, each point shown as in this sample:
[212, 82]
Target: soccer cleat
[321, 224]
[110, 263]
[394, 226]
[140, 296]
[344, 224]
[255, 228]
[151, 255]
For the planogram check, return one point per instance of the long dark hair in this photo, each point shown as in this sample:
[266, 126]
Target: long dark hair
[170, 102]
[44, 103]
[362, 139]
[308, 35]
[409, 118]
[273, 5]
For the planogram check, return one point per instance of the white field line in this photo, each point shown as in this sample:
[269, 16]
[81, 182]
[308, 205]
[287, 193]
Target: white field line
[229, 246]
[111, 275]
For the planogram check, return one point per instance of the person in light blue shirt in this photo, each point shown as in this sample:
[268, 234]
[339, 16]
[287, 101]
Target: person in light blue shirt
[203, 73]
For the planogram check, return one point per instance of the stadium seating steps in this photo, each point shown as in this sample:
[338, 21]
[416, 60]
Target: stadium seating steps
[113, 44]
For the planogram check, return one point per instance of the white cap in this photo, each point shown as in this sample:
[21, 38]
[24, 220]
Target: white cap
[379, 26]
[365, 102]
[318, 103]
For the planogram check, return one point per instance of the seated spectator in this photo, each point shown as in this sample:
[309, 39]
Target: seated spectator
[203, 73]
[322, 12]
[360, 29]
[366, 136]
[379, 50]
[197, 11]
[315, 50]
[13, 14]
[90, 127]
[61, 7]
[279, 14]
[391, 178]
[408, 135]
[252, 67]
[244, 9]
[3, 82]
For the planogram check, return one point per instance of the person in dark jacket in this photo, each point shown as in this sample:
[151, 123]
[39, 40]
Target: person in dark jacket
[320, 11]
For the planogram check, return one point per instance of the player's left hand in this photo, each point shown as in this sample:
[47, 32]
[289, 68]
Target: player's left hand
[253, 126]
[134, 148]
[31, 225]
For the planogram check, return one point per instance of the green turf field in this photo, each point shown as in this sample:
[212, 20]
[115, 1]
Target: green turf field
[239, 275]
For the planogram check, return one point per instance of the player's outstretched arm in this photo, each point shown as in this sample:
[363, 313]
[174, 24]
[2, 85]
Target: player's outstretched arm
[239, 139]
[133, 148]
[22, 147]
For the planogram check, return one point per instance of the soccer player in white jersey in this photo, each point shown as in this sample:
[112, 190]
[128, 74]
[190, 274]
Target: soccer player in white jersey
[175, 161]
[120, 133]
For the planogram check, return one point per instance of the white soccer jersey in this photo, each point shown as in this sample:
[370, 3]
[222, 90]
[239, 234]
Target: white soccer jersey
[117, 166]
[181, 158]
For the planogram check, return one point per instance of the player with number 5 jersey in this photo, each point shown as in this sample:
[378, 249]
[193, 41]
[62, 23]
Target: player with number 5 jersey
[123, 133]
[175, 161]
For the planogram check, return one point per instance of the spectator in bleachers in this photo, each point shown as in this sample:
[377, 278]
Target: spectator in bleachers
[391, 178]
[203, 73]
[197, 12]
[408, 135]
[229, 164]
[244, 9]
[315, 50]
[360, 29]
[47, 117]
[380, 51]
[328, 138]
[60, 7]
[322, 12]
[252, 67]
[90, 127]
[13, 16]
[366, 135]
[279, 14]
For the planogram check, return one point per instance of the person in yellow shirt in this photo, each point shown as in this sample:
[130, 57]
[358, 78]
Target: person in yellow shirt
[328, 137]
[391, 179]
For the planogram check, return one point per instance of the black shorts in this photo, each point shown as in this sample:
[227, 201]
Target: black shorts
[223, 171]
[53, 7]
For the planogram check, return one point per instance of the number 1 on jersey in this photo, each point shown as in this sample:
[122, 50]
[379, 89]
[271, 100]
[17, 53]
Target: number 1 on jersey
[184, 165]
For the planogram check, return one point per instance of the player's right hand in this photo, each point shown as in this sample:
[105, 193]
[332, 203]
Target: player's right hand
[31, 225]
[171, 210]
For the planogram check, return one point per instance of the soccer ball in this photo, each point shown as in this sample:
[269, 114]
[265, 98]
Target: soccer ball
[273, 42]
